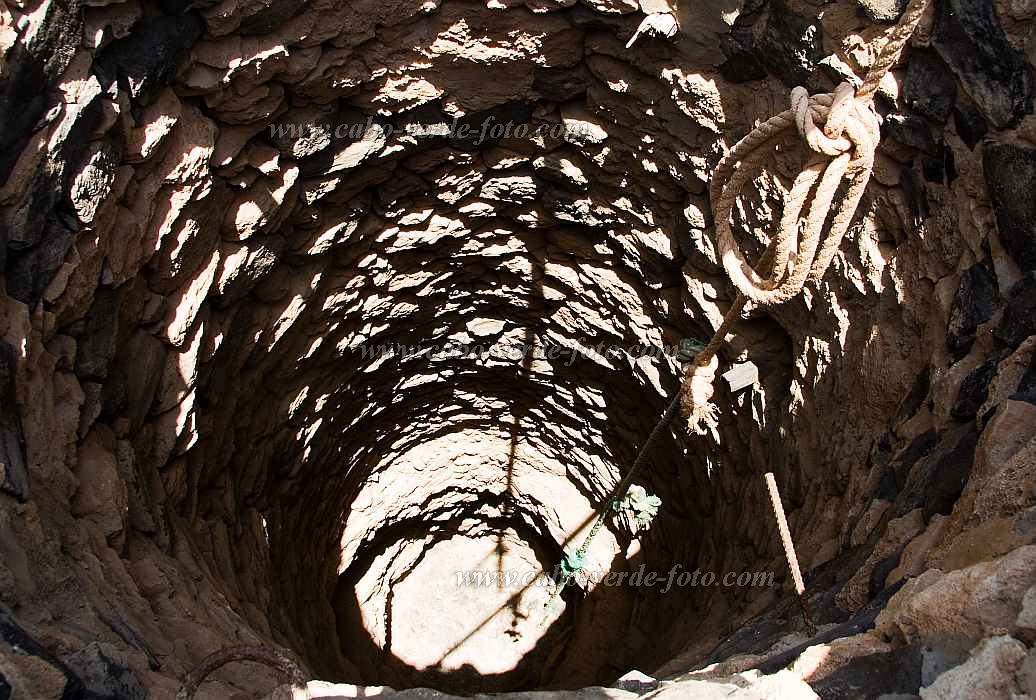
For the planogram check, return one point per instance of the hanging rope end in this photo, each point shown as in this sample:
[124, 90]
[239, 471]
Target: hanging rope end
[696, 397]
[807, 614]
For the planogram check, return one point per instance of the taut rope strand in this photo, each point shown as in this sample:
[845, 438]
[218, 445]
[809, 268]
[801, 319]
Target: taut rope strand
[619, 491]
[890, 52]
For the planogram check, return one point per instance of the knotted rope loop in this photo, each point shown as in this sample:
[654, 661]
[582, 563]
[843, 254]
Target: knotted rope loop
[843, 133]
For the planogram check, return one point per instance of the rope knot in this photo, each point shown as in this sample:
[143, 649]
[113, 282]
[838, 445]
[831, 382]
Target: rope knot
[842, 128]
[834, 111]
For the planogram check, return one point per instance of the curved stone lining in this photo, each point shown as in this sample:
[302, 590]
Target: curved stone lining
[205, 451]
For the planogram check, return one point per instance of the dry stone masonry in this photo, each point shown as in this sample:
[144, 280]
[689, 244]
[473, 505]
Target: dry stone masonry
[306, 306]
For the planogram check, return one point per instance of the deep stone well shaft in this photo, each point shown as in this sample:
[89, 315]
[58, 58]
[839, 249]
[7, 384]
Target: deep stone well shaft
[327, 328]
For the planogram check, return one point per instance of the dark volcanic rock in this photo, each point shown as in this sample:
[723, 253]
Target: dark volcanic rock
[26, 226]
[788, 44]
[14, 640]
[929, 87]
[881, 451]
[776, 41]
[887, 487]
[30, 69]
[104, 676]
[905, 460]
[181, 7]
[916, 194]
[1011, 177]
[970, 39]
[971, 126]
[893, 673]
[881, 571]
[940, 168]
[742, 65]
[915, 398]
[862, 621]
[14, 475]
[584, 16]
[910, 130]
[97, 345]
[263, 16]
[936, 481]
[561, 84]
[148, 58]
[1019, 321]
[30, 271]
[1026, 390]
[976, 300]
[974, 390]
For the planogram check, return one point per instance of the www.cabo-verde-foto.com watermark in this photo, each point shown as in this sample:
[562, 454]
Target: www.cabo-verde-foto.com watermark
[490, 129]
[675, 577]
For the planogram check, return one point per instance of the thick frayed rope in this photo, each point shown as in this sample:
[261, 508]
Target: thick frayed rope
[782, 526]
[268, 657]
[842, 130]
[789, 546]
[844, 149]
[697, 398]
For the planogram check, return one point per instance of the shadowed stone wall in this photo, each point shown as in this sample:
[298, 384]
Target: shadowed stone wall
[215, 215]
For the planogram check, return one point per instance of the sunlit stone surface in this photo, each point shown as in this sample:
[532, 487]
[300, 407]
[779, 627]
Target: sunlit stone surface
[204, 444]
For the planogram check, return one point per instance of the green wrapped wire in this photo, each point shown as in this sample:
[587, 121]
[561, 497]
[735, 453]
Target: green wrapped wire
[637, 502]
